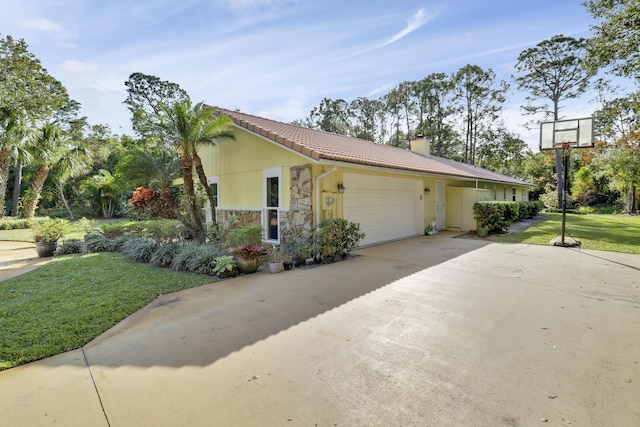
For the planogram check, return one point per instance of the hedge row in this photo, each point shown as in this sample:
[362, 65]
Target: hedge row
[163, 230]
[498, 216]
[18, 224]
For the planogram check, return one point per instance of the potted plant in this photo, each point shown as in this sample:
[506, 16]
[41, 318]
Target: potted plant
[431, 229]
[47, 233]
[248, 257]
[299, 249]
[484, 215]
[276, 264]
[226, 266]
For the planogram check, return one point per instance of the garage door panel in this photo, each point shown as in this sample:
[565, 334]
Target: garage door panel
[386, 208]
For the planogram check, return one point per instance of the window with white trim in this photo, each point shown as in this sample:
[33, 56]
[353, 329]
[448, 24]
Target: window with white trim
[272, 197]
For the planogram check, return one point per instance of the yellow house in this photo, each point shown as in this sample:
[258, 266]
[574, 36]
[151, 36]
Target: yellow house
[289, 179]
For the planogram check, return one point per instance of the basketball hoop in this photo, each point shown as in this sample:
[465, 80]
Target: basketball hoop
[565, 135]
[573, 133]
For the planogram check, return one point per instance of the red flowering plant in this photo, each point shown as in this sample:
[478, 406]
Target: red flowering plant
[251, 251]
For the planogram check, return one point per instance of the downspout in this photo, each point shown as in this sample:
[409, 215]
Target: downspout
[329, 172]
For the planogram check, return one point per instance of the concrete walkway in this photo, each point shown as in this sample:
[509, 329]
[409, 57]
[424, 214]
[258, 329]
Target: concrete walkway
[17, 258]
[428, 331]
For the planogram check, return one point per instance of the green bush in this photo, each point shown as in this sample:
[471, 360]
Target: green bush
[203, 260]
[140, 249]
[18, 224]
[199, 259]
[50, 230]
[337, 238]
[70, 246]
[96, 242]
[161, 230]
[115, 244]
[225, 264]
[244, 236]
[498, 216]
[164, 255]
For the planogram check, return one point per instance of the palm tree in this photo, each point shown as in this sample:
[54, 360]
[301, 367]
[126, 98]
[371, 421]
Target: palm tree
[187, 129]
[104, 189]
[75, 162]
[47, 147]
[12, 133]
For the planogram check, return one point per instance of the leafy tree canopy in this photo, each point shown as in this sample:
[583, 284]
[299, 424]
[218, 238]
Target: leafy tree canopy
[616, 36]
[553, 70]
[27, 87]
[146, 96]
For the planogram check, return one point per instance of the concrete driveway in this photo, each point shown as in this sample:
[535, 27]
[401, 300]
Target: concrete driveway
[432, 331]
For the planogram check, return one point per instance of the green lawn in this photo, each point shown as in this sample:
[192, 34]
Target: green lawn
[66, 303]
[77, 232]
[615, 233]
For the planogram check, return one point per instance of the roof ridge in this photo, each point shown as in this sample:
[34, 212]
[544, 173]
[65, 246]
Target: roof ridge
[305, 128]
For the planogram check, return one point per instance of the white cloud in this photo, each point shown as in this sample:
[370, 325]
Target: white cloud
[78, 67]
[413, 23]
[42, 24]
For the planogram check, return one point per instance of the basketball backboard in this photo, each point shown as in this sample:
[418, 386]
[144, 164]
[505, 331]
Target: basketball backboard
[575, 133]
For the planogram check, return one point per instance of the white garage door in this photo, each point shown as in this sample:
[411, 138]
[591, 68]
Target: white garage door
[386, 208]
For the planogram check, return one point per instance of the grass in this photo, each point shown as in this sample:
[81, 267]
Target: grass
[614, 233]
[71, 300]
[77, 232]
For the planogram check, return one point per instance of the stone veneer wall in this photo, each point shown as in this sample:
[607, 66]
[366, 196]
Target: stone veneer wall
[299, 219]
[240, 218]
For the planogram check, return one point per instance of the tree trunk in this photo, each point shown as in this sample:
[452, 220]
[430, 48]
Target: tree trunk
[197, 161]
[32, 198]
[16, 188]
[631, 192]
[63, 199]
[5, 161]
[186, 165]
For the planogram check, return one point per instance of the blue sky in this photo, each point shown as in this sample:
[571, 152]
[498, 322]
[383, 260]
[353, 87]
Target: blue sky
[279, 58]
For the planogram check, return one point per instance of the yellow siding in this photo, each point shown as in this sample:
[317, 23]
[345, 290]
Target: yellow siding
[240, 163]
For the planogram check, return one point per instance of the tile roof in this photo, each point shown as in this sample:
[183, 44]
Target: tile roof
[320, 145]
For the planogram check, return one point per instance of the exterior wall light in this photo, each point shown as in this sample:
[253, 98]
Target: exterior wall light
[341, 188]
[427, 191]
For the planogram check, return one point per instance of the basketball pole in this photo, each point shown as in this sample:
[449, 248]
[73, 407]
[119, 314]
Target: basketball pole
[565, 190]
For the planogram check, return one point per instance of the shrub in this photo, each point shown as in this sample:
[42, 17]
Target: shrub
[225, 264]
[196, 258]
[140, 249]
[71, 246]
[337, 238]
[50, 230]
[164, 255]
[161, 230]
[115, 244]
[299, 248]
[244, 236]
[203, 260]
[96, 242]
[498, 216]
[17, 224]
